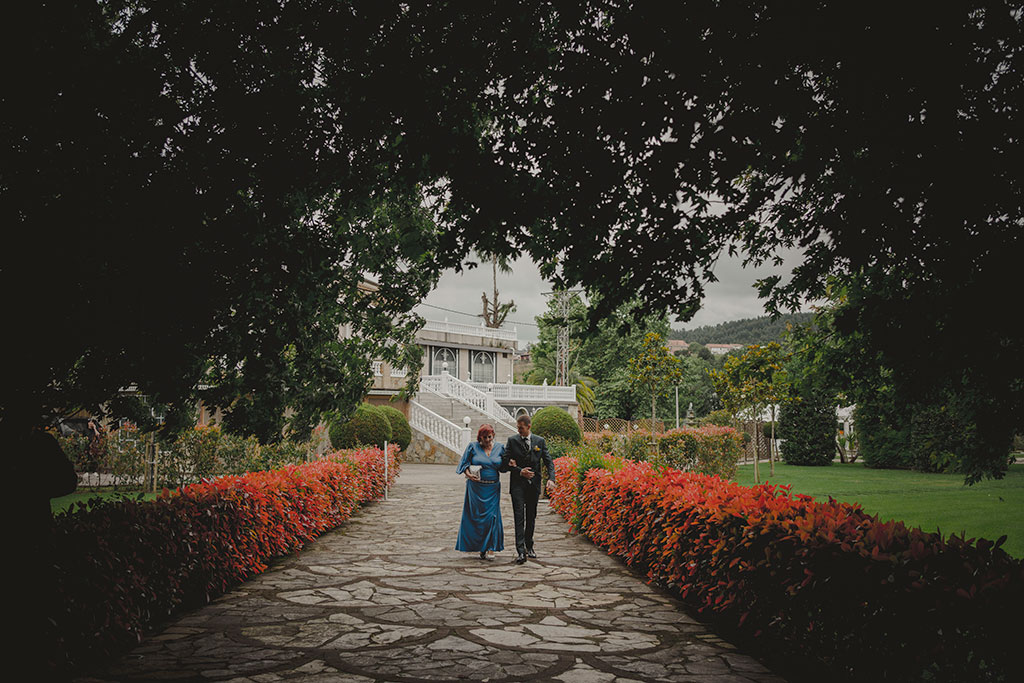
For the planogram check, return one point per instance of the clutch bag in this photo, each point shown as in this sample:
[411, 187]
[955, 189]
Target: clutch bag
[475, 470]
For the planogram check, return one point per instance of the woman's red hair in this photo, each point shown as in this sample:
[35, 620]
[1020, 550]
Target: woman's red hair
[485, 429]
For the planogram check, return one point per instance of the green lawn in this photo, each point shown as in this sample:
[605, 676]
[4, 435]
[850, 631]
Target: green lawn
[989, 509]
[65, 502]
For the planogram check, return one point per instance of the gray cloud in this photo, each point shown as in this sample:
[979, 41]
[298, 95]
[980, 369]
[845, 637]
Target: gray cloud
[457, 295]
[734, 296]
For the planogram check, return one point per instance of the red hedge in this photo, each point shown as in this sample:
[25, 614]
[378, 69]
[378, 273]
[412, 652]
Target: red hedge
[124, 566]
[824, 581]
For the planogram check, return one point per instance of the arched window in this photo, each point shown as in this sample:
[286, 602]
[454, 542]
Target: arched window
[441, 355]
[481, 366]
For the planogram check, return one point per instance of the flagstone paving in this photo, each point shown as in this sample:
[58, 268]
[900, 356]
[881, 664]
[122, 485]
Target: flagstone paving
[386, 598]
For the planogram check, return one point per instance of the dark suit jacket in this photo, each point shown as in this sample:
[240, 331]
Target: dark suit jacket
[516, 449]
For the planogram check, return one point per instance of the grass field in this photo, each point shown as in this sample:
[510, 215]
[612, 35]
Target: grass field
[65, 502]
[934, 502]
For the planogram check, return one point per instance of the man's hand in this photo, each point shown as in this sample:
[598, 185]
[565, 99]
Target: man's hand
[526, 472]
[551, 485]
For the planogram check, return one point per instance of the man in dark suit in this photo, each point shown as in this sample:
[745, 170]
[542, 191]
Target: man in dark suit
[523, 457]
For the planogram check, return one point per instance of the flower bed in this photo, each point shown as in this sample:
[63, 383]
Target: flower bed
[864, 599]
[124, 566]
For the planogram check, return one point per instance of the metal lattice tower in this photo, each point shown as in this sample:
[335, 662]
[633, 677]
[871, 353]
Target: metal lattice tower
[562, 357]
[562, 299]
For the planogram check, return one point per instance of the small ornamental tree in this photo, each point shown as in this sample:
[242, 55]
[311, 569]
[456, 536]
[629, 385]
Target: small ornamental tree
[749, 382]
[368, 426]
[656, 370]
[554, 423]
[777, 391]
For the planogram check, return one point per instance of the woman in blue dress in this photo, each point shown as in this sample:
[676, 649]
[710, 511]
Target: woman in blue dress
[481, 529]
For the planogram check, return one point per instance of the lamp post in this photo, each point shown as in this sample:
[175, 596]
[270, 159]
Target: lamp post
[677, 406]
[159, 413]
[466, 435]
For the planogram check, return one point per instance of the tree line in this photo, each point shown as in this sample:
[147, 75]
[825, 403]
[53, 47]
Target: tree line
[761, 330]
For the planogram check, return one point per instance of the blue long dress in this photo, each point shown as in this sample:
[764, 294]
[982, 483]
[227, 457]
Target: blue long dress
[481, 512]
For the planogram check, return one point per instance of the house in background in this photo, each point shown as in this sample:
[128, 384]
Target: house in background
[722, 349]
[675, 345]
[467, 379]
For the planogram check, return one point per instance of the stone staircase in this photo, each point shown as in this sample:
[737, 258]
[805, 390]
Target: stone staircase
[455, 411]
[429, 446]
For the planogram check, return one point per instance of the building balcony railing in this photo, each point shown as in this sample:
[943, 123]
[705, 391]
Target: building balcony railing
[501, 333]
[528, 392]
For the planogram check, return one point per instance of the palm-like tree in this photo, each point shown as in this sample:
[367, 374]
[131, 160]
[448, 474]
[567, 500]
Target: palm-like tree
[495, 312]
[544, 369]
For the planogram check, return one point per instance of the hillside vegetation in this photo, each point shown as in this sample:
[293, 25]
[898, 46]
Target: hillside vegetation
[747, 331]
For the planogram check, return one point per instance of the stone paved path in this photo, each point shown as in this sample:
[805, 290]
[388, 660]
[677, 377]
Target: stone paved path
[386, 598]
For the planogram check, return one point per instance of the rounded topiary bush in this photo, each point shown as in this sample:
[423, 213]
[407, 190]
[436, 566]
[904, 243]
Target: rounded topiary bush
[808, 430]
[368, 426]
[401, 432]
[554, 423]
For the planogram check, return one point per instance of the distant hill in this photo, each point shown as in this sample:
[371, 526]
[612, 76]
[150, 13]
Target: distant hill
[747, 331]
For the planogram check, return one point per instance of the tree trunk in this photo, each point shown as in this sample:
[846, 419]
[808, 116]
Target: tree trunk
[773, 444]
[654, 442]
[494, 265]
[757, 456]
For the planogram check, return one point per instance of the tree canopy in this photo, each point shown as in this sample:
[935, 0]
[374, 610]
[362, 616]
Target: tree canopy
[194, 193]
[760, 330]
[192, 183]
[656, 370]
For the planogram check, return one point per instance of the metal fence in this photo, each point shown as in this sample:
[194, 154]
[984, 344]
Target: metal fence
[619, 425]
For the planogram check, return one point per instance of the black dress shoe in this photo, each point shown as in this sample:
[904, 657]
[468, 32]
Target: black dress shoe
[521, 559]
[485, 556]
[530, 553]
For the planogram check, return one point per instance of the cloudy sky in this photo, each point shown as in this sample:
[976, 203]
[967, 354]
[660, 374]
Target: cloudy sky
[457, 296]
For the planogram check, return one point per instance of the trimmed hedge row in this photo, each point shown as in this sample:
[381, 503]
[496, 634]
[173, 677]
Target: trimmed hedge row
[862, 598]
[124, 566]
[709, 449]
[195, 454]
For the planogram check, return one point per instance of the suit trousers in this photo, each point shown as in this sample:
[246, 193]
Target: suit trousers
[524, 509]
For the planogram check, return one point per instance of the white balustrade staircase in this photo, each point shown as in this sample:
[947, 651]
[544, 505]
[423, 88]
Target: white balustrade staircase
[441, 406]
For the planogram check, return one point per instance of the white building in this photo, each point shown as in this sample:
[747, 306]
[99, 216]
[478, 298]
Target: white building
[722, 349]
[466, 380]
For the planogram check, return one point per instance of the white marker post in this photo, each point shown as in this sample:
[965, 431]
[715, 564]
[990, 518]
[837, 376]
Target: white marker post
[385, 470]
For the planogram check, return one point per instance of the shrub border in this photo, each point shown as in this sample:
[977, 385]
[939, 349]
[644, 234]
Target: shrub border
[822, 581]
[124, 566]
